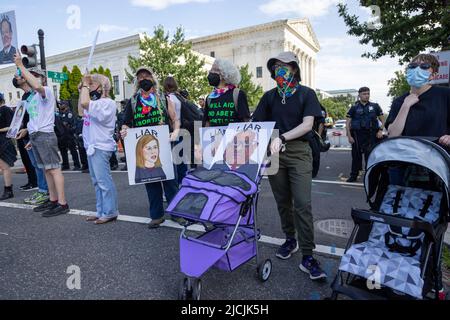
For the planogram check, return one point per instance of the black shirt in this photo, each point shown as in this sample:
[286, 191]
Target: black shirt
[221, 111]
[303, 103]
[430, 117]
[6, 116]
[138, 119]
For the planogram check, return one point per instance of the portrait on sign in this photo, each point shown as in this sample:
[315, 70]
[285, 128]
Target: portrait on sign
[211, 138]
[149, 155]
[8, 32]
[17, 121]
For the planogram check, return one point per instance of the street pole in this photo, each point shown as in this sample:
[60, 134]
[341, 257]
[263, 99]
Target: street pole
[42, 51]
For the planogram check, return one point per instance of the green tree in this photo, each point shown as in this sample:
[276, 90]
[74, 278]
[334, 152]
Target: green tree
[337, 107]
[407, 27]
[172, 56]
[398, 85]
[254, 92]
[64, 93]
[74, 81]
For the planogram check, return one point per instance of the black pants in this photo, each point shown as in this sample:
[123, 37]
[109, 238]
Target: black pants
[365, 140]
[82, 150]
[31, 172]
[68, 144]
[113, 162]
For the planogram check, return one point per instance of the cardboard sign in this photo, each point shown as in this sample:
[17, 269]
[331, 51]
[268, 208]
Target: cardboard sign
[444, 67]
[149, 155]
[211, 139]
[8, 34]
[17, 121]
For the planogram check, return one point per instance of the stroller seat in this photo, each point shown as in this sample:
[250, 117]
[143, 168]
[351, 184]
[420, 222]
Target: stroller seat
[392, 256]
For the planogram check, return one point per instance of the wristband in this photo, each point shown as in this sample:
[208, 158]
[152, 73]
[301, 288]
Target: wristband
[283, 139]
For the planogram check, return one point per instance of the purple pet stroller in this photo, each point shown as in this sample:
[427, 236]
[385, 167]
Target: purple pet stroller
[225, 203]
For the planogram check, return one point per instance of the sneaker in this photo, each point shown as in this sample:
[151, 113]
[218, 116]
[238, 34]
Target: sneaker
[287, 249]
[28, 187]
[30, 199]
[352, 179]
[39, 198]
[155, 224]
[45, 206]
[312, 267]
[56, 211]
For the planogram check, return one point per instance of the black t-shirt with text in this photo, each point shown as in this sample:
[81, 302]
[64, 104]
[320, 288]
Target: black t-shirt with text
[430, 117]
[221, 111]
[304, 103]
[138, 118]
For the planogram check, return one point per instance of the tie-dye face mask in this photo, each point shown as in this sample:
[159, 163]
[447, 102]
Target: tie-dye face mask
[286, 82]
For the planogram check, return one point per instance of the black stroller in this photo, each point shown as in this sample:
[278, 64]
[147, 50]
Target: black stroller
[395, 249]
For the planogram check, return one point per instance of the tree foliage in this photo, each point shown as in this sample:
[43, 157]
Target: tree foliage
[337, 107]
[64, 92]
[398, 85]
[254, 92]
[407, 27]
[171, 56]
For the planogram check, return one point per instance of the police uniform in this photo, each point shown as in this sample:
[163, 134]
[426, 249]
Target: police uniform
[364, 129]
[67, 142]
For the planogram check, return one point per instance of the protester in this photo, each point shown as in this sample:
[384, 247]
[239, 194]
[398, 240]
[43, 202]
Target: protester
[171, 90]
[8, 154]
[99, 123]
[293, 107]
[41, 109]
[148, 107]
[226, 104]
[363, 130]
[23, 138]
[201, 103]
[424, 111]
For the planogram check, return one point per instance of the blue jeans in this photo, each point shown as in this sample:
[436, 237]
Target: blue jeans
[105, 190]
[40, 174]
[155, 196]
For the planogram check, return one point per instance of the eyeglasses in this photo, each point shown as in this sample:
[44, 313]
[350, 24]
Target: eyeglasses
[424, 66]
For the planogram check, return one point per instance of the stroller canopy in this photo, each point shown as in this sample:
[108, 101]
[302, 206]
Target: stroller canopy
[413, 150]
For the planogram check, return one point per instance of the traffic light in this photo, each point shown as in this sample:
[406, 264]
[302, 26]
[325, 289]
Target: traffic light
[31, 60]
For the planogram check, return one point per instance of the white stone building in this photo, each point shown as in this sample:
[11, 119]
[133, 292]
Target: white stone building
[253, 45]
[257, 44]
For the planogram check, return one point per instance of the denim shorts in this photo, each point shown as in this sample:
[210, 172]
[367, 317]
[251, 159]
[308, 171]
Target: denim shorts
[45, 149]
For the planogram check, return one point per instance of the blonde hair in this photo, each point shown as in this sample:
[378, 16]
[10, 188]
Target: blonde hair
[103, 81]
[140, 159]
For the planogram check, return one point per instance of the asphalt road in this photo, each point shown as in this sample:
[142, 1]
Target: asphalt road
[125, 260]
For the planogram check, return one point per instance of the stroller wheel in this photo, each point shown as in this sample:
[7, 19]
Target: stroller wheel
[184, 294]
[264, 270]
[196, 290]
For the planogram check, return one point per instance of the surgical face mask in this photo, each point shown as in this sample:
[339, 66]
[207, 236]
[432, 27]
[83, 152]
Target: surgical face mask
[146, 85]
[214, 80]
[417, 77]
[95, 95]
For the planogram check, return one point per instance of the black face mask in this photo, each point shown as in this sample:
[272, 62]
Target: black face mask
[15, 83]
[95, 95]
[214, 80]
[146, 85]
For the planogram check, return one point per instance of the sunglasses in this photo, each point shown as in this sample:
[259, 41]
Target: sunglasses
[424, 66]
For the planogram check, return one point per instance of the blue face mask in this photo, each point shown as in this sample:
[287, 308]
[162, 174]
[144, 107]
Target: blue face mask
[418, 77]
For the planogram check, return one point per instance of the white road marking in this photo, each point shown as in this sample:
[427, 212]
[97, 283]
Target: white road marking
[332, 251]
[3, 234]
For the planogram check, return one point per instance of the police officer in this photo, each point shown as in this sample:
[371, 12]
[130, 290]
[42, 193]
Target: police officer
[80, 144]
[363, 129]
[67, 141]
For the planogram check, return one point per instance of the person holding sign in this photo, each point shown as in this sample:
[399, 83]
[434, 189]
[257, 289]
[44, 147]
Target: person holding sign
[226, 104]
[40, 106]
[99, 113]
[293, 107]
[8, 154]
[148, 107]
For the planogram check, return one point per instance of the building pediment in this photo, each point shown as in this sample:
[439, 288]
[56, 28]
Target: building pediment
[304, 28]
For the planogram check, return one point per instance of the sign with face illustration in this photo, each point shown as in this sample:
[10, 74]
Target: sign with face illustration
[244, 148]
[149, 155]
[16, 122]
[211, 138]
[8, 32]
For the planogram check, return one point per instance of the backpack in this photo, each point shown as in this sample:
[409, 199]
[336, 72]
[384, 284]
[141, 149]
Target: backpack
[190, 113]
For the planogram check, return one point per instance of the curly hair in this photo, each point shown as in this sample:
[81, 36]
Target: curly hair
[103, 81]
[227, 71]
